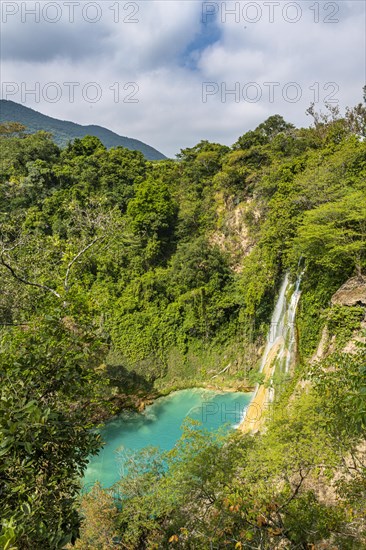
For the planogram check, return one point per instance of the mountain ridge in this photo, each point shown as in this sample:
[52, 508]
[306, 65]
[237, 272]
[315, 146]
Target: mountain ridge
[64, 131]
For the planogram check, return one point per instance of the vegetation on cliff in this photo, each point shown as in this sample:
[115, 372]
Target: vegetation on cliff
[121, 275]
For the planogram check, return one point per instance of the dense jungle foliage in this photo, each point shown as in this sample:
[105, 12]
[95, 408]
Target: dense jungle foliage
[124, 277]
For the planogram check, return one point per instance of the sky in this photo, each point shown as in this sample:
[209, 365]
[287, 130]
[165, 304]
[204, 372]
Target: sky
[172, 73]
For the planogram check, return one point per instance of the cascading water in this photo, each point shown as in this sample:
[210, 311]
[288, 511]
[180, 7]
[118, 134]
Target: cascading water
[279, 352]
[276, 327]
[290, 339]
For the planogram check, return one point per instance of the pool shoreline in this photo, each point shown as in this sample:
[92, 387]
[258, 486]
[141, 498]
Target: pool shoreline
[143, 401]
[160, 425]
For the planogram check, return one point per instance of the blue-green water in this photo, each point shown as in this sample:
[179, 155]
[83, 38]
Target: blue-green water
[160, 426]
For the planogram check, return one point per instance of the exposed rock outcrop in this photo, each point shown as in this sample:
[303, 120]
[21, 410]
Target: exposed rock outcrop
[352, 293]
[323, 345]
[352, 345]
[232, 234]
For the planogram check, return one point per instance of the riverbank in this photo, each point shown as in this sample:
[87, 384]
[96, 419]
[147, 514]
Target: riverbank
[220, 386]
[139, 400]
[224, 367]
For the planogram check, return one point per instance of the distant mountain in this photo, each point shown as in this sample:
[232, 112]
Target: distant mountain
[63, 131]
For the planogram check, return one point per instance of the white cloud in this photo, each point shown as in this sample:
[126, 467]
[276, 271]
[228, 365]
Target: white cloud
[152, 52]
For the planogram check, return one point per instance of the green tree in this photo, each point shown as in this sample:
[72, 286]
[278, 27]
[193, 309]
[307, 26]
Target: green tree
[49, 388]
[333, 236]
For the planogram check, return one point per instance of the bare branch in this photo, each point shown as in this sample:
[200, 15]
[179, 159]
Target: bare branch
[66, 281]
[30, 283]
[221, 371]
[295, 491]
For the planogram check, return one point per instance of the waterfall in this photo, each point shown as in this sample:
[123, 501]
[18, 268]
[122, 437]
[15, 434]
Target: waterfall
[290, 338]
[279, 352]
[276, 328]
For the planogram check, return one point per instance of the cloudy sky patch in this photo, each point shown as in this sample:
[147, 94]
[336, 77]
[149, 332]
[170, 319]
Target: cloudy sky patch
[171, 73]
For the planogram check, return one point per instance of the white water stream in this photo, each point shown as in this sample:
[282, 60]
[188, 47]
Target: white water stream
[280, 347]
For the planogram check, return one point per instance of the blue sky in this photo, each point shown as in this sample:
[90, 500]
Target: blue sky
[208, 34]
[170, 74]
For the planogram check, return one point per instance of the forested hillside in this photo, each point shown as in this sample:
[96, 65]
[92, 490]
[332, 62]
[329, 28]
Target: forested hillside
[123, 278]
[64, 131]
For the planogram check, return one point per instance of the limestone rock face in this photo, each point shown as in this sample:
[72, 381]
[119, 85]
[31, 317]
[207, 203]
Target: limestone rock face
[352, 293]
